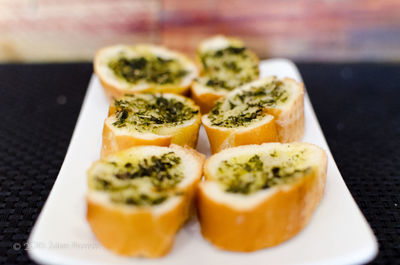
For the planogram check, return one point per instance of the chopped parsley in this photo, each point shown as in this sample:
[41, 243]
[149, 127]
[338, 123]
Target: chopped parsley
[149, 69]
[147, 112]
[247, 106]
[157, 169]
[158, 174]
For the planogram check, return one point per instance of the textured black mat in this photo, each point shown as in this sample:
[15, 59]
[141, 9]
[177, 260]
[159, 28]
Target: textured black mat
[357, 105]
[39, 105]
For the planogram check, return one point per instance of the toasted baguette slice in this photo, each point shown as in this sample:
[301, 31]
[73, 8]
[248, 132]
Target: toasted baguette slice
[150, 119]
[126, 69]
[265, 110]
[259, 196]
[226, 64]
[139, 198]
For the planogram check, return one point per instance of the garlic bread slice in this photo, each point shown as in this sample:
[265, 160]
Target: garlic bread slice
[124, 69]
[139, 198]
[258, 196]
[265, 110]
[150, 119]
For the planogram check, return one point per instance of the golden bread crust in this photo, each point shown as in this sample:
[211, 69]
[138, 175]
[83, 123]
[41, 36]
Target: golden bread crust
[139, 233]
[205, 101]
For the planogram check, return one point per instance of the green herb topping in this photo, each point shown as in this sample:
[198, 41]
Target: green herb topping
[149, 69]
[147, 112]
[148, 181]
[252, 174]
[247, 106]
[228, 68]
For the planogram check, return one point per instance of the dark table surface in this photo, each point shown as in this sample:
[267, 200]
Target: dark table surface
[358, 107]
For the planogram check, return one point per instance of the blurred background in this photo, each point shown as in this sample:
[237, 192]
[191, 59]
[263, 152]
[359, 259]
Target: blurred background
[303, 30]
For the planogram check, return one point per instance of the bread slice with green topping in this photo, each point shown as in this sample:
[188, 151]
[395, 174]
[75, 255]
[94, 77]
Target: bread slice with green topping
[226, 63]
[265, 110]
[258, 196]
[138, 198]
[150, 119]
[124, 69]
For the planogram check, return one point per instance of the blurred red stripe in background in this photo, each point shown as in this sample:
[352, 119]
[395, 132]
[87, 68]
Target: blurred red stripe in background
[308, 30]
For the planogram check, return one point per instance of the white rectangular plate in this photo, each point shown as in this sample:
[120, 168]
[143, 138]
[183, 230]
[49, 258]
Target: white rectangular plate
[337, 233]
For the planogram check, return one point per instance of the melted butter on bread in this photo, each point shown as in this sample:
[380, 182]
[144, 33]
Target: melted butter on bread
[246, 174]
[143, 68]
[247, 105]
[151, 112]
